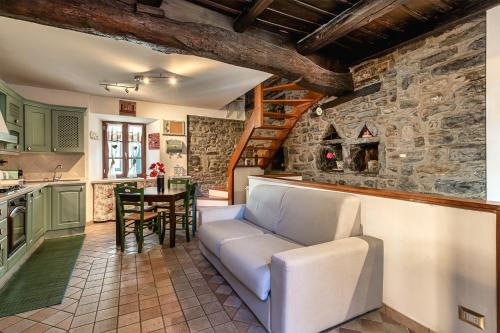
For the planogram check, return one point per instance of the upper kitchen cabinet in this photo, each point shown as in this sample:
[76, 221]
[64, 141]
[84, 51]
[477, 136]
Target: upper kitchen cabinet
[53, 128]
[37, 127]
[14, 114]
[67, 130]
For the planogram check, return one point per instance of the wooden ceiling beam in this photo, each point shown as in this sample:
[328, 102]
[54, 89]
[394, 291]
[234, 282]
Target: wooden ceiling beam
[114, 19]
[349, 20]
[250, 14]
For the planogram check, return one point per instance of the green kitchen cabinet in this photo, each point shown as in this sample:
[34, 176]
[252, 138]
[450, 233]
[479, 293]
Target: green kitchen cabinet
[47, 196]
[37, 127]
[3, 256]
[14, 114]
[67, 130]
[38, 217]
[68, 206]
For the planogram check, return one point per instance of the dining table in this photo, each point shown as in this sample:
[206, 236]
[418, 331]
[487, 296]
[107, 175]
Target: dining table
[168, 195]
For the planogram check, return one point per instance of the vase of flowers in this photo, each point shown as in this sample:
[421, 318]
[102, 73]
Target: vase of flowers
[158, 170]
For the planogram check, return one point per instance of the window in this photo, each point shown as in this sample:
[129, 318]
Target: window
[124, 152]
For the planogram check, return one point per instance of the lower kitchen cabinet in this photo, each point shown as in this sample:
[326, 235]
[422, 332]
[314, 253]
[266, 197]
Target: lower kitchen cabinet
[47, 196]
[68, 206]
[3, 256]
[38, 215]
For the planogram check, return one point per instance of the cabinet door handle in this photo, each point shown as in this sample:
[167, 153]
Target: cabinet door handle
[17, 121]
[29, 148]
[81, 188]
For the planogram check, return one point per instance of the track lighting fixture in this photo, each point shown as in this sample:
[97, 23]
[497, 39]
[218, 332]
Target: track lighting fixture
[138, 80]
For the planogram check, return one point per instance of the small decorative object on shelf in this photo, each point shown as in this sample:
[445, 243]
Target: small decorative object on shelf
[373, 166]
[112, 165]
[178, 171]
[158, 171]
[132, 172]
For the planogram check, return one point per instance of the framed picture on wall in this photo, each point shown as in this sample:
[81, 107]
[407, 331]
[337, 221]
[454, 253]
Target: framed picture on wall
[174, 127]
[153, 141]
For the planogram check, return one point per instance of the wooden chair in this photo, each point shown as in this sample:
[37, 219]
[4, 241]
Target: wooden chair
[134, 184]
[187, 213]
[133, 219]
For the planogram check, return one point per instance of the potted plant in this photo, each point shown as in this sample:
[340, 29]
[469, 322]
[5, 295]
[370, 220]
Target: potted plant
[158, 171]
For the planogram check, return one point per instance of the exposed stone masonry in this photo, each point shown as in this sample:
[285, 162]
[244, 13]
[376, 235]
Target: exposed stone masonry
[429, 114]
[211, 142]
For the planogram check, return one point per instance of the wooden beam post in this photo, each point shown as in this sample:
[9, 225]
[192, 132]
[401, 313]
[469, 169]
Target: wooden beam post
[351, 19]
[114, 19]
[248, 16]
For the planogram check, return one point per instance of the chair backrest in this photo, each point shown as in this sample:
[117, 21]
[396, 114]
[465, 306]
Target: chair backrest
[178, 182]
[130, 199]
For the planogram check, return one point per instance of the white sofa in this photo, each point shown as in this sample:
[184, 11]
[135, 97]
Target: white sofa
[296, 257]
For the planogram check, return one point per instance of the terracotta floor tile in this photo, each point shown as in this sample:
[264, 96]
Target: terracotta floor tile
[107, 313]
[83, 329]
[108, 303]
[83, 319]
[199, 324]
[86, 308]
[218, 318]
[134, 328]
[128, 319]
[20, 326]
[194, 312]
[43, 314]
[152, 325]
[56, 318]
[105, 325]
[178, 328]
[37, 328]
[150, 313]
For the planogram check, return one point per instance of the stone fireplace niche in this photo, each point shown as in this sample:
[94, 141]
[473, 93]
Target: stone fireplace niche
[364, 151]
[331, 156]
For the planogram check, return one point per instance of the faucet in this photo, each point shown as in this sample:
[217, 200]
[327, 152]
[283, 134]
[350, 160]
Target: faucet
[54, 177]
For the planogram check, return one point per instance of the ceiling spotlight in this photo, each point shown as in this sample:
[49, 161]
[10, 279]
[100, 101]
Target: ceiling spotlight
[172, 80]
[126, 90]
[106, 88]
[145, 80]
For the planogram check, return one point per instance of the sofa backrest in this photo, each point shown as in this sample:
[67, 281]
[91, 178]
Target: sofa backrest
[311, 217]
[306, 216]
[264, 205]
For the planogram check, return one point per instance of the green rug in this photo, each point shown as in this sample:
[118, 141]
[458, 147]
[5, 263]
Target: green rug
[42, 280]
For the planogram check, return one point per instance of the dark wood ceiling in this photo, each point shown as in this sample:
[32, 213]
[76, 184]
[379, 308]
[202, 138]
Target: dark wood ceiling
[296, 19]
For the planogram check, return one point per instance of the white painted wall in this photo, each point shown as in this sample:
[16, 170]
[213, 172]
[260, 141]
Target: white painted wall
[435, 258]
[493, 104]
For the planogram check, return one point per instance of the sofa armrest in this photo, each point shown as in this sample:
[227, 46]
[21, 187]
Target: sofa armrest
[316, 287]
[211, 214]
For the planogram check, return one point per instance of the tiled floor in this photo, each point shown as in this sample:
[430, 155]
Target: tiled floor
[160, 290]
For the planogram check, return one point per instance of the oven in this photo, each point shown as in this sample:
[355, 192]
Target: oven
[16, 224]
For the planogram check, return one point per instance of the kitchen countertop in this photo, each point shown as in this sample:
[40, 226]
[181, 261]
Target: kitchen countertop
[118, 180]
[34, 185]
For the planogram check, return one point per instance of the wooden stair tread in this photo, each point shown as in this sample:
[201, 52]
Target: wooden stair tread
[261, 148]
[287, 101]
[274, 127]
[279, 115]
[288, 86]
[273, 138]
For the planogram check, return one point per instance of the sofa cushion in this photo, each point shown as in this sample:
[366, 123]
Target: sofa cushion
[311, 217]
[264, 204]
[214, 234]
[249, 260]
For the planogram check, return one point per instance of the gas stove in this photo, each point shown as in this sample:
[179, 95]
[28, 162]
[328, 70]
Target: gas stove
[10, 189]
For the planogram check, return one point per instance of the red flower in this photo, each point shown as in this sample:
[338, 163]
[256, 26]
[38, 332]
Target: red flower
[154, 173]
[152, 166]
[162, 169]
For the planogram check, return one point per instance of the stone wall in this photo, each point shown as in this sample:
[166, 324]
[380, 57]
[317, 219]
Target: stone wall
[210, 144]
[429, 119]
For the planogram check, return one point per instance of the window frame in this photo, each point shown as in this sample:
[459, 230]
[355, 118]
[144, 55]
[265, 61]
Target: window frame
[125, 143]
